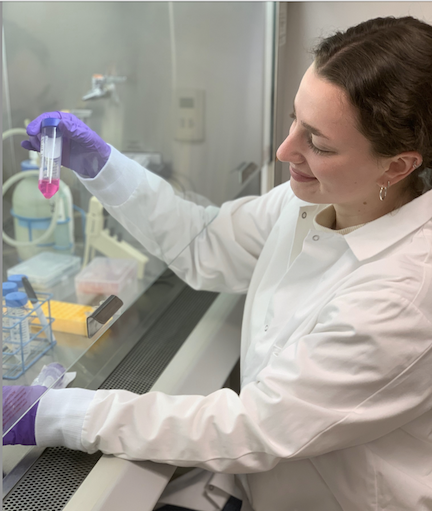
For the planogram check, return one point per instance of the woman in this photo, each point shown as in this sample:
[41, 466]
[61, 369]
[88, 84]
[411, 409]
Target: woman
[335, 406]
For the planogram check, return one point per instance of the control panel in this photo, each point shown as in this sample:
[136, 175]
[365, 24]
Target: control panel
[189, 118]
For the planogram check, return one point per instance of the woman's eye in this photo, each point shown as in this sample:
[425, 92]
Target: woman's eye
[315, 148]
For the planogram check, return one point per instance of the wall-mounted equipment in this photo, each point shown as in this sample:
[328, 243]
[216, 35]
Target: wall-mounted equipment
[189, 115]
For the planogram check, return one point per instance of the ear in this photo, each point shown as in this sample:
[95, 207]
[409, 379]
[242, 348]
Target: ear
[401, 166]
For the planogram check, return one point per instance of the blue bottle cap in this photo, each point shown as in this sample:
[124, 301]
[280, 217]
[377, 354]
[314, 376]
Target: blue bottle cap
[50, 122]
[17, 279]
[9, 287]
[29, 165]
[17, 299]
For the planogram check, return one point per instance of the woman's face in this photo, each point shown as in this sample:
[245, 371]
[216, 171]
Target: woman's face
[331, 162]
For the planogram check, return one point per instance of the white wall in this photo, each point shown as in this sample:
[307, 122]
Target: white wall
[309, 21]
[218, 48]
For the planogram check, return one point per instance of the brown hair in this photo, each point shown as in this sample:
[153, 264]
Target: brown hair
[385, 66]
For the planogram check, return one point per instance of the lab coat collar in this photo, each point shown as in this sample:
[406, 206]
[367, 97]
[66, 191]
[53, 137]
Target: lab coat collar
[380, 234]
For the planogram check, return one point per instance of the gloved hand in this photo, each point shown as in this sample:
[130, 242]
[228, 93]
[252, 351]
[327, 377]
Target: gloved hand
[83, 149]
[16, 400]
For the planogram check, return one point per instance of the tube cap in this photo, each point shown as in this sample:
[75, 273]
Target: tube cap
[50, 122]
[17, 299]
[9, 287]
[17, 279]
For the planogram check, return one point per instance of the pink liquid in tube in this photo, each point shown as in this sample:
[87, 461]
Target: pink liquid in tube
[48, 189]
[51, 151]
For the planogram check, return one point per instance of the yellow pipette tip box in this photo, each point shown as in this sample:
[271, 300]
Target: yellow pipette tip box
[68, 317]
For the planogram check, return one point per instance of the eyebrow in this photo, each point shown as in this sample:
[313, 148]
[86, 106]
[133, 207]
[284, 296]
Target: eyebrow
[311, 129]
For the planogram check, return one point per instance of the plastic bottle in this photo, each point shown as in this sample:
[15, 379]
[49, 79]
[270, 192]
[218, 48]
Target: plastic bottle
[51, 151]
[17, 279]
[9, 287]
[19, 334]
[32, 215]
[64, 232]
[52, 375]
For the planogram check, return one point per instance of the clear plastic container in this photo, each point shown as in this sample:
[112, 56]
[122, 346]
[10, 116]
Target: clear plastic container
[19, 354]
[7, 287]
[52, 375]
[50, 272]
[106, 276]
[51, 150]
[16, 320]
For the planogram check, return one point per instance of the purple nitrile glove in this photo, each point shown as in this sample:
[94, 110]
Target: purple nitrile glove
[83, 149]
[16, 400]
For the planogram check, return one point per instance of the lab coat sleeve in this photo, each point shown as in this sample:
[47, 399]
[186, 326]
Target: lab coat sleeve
[208, 247]
[357, 376]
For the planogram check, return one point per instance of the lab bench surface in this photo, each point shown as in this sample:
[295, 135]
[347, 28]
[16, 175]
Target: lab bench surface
[198, 345]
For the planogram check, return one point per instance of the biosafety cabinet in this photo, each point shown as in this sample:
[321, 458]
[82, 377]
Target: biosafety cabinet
[198, 93]
[187, 90]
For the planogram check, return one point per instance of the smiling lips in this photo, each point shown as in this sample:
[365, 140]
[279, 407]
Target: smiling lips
[297, 176]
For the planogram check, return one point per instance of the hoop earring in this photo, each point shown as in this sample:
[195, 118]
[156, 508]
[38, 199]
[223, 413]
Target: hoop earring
[383, 191]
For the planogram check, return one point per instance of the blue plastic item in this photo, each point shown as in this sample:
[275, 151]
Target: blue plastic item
[29, 165]
[16, 299]
[17, 279]
[9, 287]
[50, 122]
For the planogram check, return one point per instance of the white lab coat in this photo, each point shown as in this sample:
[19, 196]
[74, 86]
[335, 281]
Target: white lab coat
[335, 409]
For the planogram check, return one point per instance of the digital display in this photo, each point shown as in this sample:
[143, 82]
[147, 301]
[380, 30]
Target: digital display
[186, 103]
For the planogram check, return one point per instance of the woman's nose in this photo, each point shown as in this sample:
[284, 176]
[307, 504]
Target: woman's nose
[288, 150]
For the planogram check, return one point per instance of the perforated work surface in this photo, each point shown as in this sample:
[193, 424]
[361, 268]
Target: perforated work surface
[52, 481]
[144, 364]
[58, 473]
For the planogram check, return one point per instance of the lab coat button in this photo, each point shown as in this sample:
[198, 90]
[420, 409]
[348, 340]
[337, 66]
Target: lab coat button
[266, 328]
[304, 214]
[210, 487]
[316, 237]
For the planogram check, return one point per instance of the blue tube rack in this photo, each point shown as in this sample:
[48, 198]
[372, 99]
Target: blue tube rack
[14, 363]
